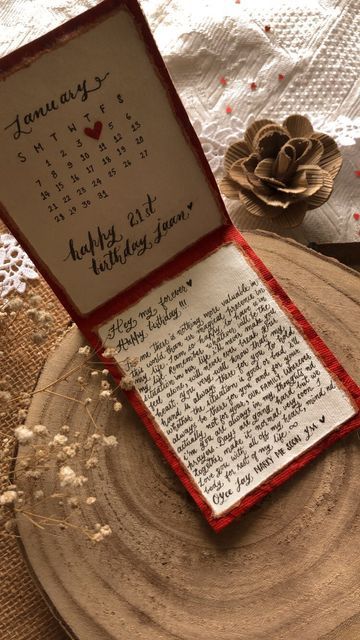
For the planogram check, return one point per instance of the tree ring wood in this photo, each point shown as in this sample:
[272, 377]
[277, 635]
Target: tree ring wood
[288, 569]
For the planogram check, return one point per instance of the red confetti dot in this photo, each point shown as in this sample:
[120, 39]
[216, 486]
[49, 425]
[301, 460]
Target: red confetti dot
[237, 1]
[267, 28]
[357, 173]
[253, 86]
[356, 216]
[281, 76]
[223, 81]
[228, 109]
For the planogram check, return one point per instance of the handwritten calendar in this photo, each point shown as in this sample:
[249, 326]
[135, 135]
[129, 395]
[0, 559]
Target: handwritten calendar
[95, 147]
[80, 169]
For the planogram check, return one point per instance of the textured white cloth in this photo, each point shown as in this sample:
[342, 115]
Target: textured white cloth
[15, 266]
[313, 43]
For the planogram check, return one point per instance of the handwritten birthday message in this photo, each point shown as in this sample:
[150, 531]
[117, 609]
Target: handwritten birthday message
[106, 248]
[232, 384]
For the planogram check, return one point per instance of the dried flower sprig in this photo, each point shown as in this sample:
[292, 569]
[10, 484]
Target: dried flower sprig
[41, 318]
[60, 454]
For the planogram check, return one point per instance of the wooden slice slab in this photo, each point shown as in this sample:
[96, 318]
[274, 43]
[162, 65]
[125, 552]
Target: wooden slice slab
[288, 569]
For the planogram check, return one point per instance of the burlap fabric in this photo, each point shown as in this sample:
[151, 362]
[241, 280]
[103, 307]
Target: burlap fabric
[23, 613]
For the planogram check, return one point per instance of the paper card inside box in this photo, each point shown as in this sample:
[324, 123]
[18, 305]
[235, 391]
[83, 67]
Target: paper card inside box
[98, 173]
[230, 382]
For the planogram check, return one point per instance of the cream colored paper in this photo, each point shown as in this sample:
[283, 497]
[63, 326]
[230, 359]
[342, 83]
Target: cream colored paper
[100, 213]
[231, 383]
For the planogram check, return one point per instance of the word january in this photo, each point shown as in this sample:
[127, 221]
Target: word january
[22, 123]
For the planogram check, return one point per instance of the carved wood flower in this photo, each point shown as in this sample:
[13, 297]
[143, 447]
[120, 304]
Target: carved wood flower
[281, 171]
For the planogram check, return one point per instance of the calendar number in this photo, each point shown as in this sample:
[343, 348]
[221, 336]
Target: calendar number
[83, 157]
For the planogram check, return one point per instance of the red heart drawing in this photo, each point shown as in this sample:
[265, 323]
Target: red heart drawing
[95, 132]
[356, 216]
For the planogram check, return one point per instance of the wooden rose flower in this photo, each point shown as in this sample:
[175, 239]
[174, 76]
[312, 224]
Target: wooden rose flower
[281, 171]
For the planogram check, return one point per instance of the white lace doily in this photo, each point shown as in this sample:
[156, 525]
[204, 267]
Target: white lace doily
[312, 43]
[15, 266]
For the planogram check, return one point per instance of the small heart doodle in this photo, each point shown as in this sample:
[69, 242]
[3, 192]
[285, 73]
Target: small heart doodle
[322, 419]
[95, 132]
[190, 206]
[189, 283]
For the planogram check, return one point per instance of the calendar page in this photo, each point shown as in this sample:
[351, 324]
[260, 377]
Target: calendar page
[96, 170]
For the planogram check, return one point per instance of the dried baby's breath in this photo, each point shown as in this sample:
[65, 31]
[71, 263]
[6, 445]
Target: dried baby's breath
[59, 439]
[8, 497]
[65, 428]
[68, 477]
[70, 451]
[109, 352]
[92, 462]
[40, 430]
[62, 454]
[84, 351]
[127, 383]
[101, 532]
[110, 441]
[23, 435]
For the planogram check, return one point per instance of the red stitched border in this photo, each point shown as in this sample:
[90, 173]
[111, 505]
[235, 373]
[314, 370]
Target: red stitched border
[206, 245]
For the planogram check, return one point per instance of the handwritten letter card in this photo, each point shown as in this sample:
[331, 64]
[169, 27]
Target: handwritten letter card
[106, 186]
[230, 381]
